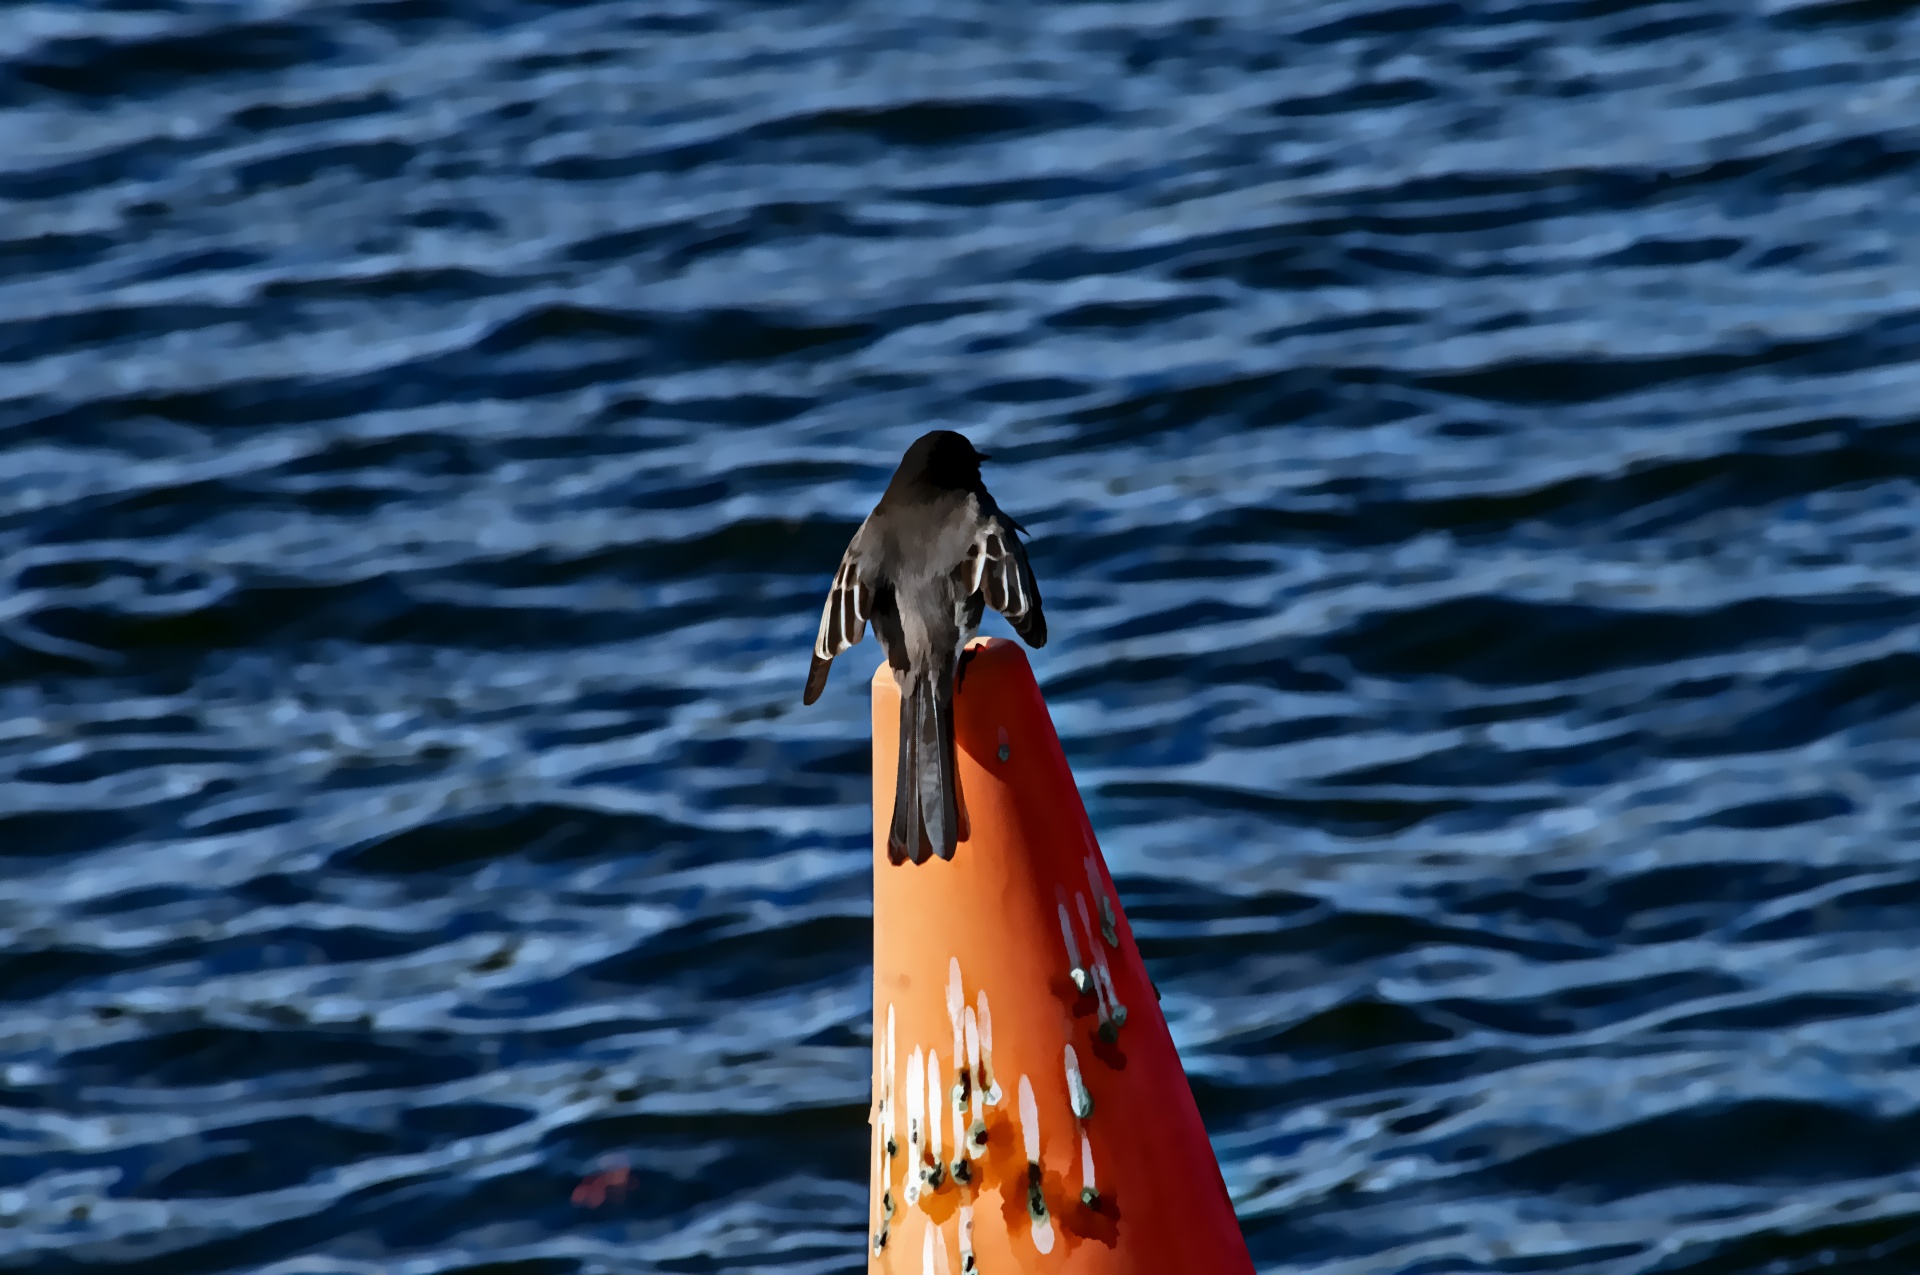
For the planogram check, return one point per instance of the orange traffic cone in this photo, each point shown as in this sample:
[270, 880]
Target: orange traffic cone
[1029, 1110]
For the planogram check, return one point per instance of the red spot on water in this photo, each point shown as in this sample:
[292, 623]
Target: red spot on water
[595, 1188]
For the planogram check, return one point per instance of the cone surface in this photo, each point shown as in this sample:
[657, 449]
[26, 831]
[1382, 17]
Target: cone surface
[1015, 961]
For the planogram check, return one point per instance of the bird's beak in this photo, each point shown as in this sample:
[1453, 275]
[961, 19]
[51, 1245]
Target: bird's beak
[982, 456]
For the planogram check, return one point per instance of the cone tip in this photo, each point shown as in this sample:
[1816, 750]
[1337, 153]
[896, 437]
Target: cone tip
[990, 648]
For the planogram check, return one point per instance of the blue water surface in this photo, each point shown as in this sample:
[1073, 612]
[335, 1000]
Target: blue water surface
[1471, 453]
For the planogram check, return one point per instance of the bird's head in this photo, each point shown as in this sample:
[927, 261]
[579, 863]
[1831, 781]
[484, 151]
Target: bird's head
[942, 459]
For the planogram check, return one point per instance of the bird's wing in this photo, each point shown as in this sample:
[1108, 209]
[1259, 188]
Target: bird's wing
[997, 563]
[843, 621]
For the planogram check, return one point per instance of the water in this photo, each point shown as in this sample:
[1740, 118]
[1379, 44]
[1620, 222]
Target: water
[1470, 451]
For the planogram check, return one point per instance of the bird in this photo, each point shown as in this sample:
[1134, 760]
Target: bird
[933, 554]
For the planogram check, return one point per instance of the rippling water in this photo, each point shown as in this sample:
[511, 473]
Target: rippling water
[1471, 453]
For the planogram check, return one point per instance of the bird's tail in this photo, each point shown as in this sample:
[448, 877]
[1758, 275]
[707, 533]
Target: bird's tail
[925, 795]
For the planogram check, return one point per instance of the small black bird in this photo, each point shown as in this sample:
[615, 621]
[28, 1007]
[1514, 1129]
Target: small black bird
[930, 556]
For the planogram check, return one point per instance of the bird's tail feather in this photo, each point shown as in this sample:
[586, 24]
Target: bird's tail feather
[903, 838]
[925, 794]
[938, 792]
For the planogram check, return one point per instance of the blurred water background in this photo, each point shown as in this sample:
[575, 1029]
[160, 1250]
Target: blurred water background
[1470, 449]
